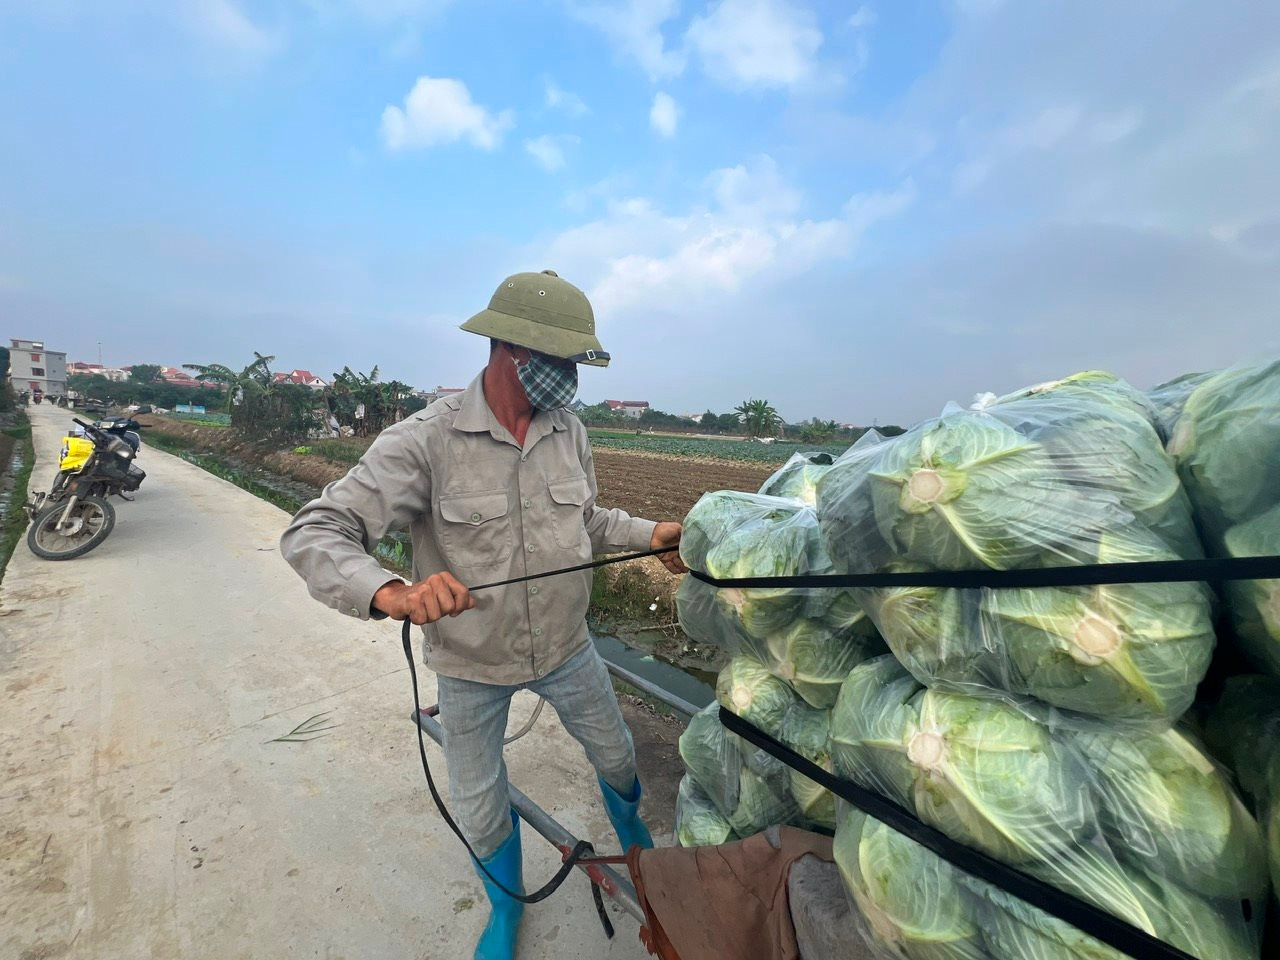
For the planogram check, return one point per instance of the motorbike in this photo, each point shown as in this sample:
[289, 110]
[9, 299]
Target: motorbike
[126, 428]
[74, 516]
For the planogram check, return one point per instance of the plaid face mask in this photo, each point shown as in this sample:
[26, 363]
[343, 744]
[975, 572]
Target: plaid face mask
[549, 383]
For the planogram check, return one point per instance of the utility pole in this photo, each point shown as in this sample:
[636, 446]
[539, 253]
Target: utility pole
[99, 353]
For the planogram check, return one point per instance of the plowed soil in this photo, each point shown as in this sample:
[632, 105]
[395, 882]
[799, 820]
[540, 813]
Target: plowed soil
[665, 487]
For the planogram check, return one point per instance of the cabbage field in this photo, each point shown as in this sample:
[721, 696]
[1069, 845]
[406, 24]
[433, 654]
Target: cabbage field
[1061, 730]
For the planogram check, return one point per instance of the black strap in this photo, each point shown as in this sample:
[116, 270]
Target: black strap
[1145, 571]
[580, 850]
[574, 569]
[1111, 930]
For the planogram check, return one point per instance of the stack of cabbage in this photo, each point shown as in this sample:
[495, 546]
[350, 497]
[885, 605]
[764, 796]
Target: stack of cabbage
[1035, 724]
[791, 651]
[1137, 822]
[1064, 474]
[1226, 439]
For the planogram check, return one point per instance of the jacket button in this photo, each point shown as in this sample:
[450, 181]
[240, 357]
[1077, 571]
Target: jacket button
[355, 611]
[533, 590]
[529, 548]
[475, 518]
[537, 631]
[527, 502]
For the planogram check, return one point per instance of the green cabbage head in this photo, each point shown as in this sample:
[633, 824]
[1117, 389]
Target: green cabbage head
[806, 731]
[912, 901]
[1166, 808]
[1134, 651]
[1255, 604]
[698, 822]
[1227, 447]
[746, 688]
[798, 478]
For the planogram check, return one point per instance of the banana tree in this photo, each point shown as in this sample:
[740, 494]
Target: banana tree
[759, 418]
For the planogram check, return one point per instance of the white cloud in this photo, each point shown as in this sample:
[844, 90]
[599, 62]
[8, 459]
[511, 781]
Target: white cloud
[862, 18]
[757, 44]
[223, 22]
[638, 261]
[663, 115]
[548, 150]
[634, 27]
[560, 99]
[439, 110]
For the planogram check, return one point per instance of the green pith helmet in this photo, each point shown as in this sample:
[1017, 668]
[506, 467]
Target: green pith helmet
[544, 313]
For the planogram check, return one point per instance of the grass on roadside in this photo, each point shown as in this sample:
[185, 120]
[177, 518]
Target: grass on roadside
[14, 521]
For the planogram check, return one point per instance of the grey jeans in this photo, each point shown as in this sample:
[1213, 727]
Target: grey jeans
[474, 718]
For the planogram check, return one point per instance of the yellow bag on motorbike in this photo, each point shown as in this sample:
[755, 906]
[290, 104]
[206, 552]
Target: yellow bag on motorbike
[76, 452]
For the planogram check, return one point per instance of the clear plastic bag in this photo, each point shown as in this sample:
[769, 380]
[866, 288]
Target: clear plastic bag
[1143, 826]
[1226, 442]
[698, 822]
[1170, 397]
[810, 638]
[1243, 730]
[797, 479]
[1064, 474]
[748, 787]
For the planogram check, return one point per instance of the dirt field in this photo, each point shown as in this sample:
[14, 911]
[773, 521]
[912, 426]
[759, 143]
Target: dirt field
[658, 486]
[651, 485]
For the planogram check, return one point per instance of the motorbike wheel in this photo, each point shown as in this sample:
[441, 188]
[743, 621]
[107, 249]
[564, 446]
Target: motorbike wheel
[91, 521]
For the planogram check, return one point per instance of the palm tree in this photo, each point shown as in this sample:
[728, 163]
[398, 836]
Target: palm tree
[255, 378]
[759, 418]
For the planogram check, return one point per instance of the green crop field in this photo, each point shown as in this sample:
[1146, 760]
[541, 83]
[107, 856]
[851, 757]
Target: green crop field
[203, 419]
[741, 450]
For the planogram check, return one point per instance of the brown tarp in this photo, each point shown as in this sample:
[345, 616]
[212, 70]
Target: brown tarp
[722, 903]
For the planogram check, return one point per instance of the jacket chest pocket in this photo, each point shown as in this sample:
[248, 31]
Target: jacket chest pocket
[477, 528]
[568, 498]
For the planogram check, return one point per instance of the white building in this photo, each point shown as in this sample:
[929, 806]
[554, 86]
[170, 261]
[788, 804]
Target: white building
[635, 409]
[37, 370]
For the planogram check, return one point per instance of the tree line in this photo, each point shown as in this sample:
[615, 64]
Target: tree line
[365, 404]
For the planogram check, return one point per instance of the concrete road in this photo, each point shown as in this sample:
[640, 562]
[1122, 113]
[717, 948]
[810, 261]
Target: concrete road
[145, 811]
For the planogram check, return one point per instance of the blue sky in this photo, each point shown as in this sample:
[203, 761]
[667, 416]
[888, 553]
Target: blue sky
[858, 211]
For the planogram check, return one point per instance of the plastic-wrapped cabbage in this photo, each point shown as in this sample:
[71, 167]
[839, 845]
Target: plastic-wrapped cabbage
[919, 906]
[698, 822]
[712, 758]
[934, 632]
[797, 479]
[1227, 446]
[982, 772]
[1132, 651]
[747, 786]
[1243, 731]
[1016, 931]
[805, 730]
[955, 493]
[1101, 434]
[1166, 808]
[746, 688]
[1091, 388]
[748, 535]
[1125, 651]
[1068, 473]
[1255, 604]
[1170, 397]
[813, 654]
[912, 900]
[978, 770]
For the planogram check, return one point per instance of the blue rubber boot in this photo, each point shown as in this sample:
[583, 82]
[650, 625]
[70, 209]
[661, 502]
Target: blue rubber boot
[498, 942]
[624, 814]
